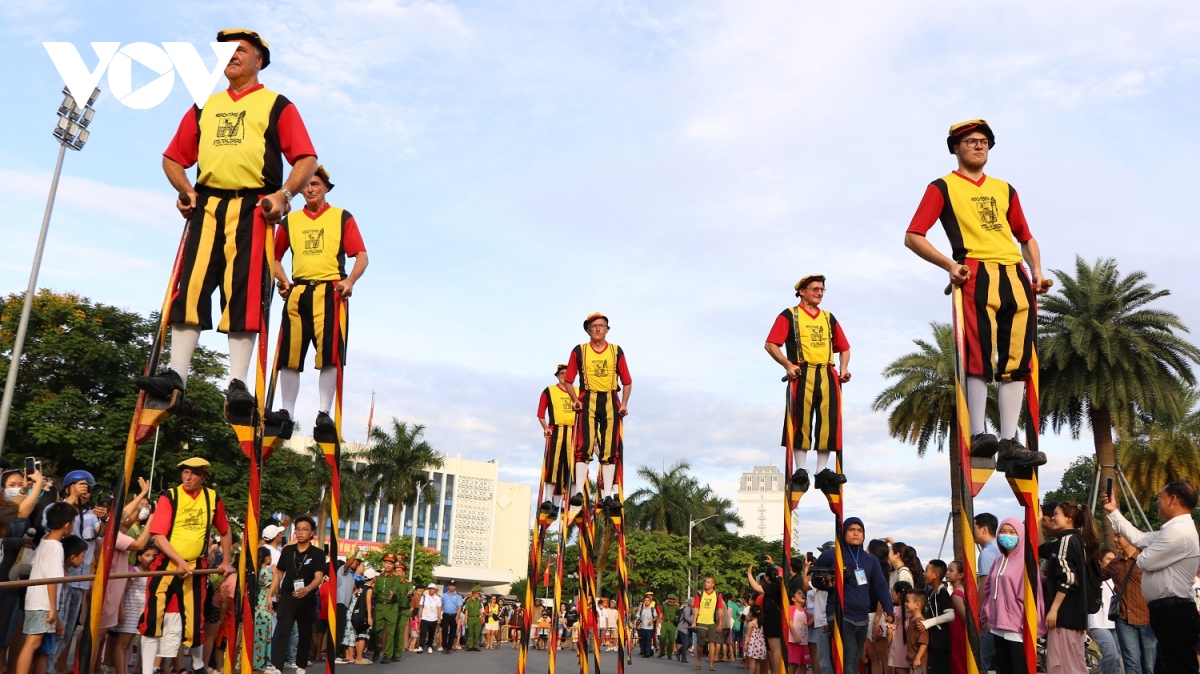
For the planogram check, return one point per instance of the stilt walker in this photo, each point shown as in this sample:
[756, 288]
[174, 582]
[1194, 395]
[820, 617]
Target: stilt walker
[557, 417]
[810, 336]
[316, 314]
[995, 328]
[602, 405]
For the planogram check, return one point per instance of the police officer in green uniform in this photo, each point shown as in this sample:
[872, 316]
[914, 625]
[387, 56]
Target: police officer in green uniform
[666, 631]
[474, 609]
[391, 609]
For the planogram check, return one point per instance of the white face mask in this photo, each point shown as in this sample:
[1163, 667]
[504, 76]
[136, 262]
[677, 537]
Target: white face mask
[143, 514]
[12, 493]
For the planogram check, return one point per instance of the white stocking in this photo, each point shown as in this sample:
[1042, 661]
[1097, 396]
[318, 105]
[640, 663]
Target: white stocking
[609, 472]
[548, 492]
[241, 349]
[289, 389]
[799, 460]
[977, 403]
[328, 386]
[183, 344]
[1011, 395]
[148, 648]
[581, 471]
[198, 658]
[822, 460]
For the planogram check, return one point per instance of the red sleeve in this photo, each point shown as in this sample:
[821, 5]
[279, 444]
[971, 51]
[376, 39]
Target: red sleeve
[839, 339]
[293, 137]
[543, 403]
[928, 211]
[185, 146]
[281, 241]
[623, 369]
[696, 601]
[1016, 220]
[779, 331]
[163, 517]
[720, 601]
[352, 241]
[572, 365]
[220, 521]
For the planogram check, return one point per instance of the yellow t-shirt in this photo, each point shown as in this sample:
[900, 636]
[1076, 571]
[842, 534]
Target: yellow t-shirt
[706, 607]
[559, 407]
[233, 151]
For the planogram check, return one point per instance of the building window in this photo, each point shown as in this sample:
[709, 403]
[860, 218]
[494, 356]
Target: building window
[369, 522]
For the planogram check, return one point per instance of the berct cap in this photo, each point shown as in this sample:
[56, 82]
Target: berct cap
[230, 34]
[804, 281]
[593, 316]
[195, 462]
[957, 131]
[324, 176]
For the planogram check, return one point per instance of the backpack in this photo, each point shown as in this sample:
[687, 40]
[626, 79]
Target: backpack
[1093, 597]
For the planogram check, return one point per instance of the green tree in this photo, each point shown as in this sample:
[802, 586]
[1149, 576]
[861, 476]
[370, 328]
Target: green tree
[1155, 453]
[422, 568]
[396, 465]
[1076, 484]
[316, 478]
[672, 498]
[1107, 354]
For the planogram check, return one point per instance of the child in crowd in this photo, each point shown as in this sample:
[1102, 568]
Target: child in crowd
[263, 619]
[132, 603]
[362, 619]
[917, 642]
[958, 628]
[42, 620]
[898, 630]
[543, 630]
[797, 637]
[756, 645]
[414, 632]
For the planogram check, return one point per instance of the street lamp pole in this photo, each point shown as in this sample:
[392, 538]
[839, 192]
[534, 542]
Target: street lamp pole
[691, 525]
[71, 132]
[412, 555]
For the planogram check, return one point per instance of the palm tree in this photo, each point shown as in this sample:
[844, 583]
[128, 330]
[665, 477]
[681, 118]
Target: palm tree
[1155, 454]
[923, 404]
[672, 498]
[320, 476]
[1106, 354]
[396, 465]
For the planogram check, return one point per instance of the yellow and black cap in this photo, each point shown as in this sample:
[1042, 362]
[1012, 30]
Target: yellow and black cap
[560, 368]
[957, 131]
[803, 283]
[196, 464]
[250, 36]
[324, 176]
[592, 317]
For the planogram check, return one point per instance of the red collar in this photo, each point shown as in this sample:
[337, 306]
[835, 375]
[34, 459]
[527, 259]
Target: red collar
[801, 308]
[606, 345]
[314, 216]
[982, 178]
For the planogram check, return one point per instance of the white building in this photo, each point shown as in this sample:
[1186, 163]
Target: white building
[479, 524]
[760, 503]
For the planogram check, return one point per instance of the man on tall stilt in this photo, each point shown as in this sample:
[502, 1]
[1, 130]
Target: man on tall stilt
[320, 237]
[602, 371]
[236, 140]
[811, 336]
[556, 414]
[982, 216]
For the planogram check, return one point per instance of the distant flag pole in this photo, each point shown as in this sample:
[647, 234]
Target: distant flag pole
[371, 417]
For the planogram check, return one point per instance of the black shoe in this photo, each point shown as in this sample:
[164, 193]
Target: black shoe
[984, 445]
[325, 422]
[282, 420]
[548, 508]
[661, 654]
[385, 661]
[1013, 453]
[827, 479]
[800, 480]
[161, 386]
[577, 499]
[238, 398]
[611, 505]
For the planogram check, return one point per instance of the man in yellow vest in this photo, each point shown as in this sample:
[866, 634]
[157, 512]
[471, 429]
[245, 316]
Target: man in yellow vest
[320, 237]
[990, 238]
[238, 141]
[556, 414]
[602, 372]
[182, 519]
[813, 420]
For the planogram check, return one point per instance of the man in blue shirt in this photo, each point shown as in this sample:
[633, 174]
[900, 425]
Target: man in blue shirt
[985, 537]
[452, 603]
[862, 575]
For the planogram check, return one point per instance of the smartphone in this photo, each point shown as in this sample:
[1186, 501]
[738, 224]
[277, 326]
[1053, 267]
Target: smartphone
[1108, 488]
[38, 466]
[811, 559]
[30, 466]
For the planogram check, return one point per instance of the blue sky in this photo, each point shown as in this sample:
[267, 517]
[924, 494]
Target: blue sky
[516, 166]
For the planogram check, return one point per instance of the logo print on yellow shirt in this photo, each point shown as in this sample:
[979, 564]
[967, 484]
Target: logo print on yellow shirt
[565, 405]
[230, 128]
[816, 335]
[193, 519]
[314, 241]
[600, 368]
[989, 215]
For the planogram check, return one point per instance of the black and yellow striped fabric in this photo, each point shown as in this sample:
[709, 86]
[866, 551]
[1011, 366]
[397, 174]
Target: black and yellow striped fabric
[814, 410]
[1000, 328]
[559, 408]
[312, 317]
[560, 451]
[224, 249]
[599, 428]
[189, 592]
[239, 141]
[975, 218]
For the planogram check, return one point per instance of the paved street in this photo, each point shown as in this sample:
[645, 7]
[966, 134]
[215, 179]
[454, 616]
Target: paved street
[505, 660]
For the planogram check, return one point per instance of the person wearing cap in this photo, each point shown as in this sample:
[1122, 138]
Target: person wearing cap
[646, 617]
[452, 603]
[602, 371]
[431, 612]
[391, 609]
[556, 414]
[813, 420]
[473, 607]
[272, 540]
[182, 519]
[320, 238]
[666, 630]
[989, 240]
[862, 579]
[239, 139]
[297, 582]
